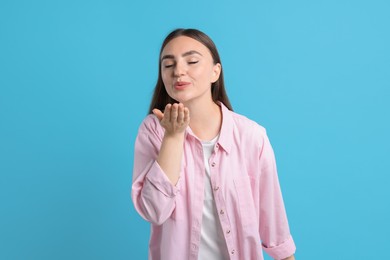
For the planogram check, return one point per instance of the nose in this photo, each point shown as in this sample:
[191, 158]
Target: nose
[180, 69]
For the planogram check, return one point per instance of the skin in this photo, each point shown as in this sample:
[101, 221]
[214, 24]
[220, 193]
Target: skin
[186, 60]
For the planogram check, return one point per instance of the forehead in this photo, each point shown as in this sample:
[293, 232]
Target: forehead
[183, 44]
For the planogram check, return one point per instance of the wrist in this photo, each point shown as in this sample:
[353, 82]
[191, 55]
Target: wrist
[174, 136]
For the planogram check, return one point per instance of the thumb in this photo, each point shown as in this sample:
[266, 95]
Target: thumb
[158, 113]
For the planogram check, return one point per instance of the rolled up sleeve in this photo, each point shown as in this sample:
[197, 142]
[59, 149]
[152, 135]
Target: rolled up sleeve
[281, 251]
[152, 192]
[274, 228]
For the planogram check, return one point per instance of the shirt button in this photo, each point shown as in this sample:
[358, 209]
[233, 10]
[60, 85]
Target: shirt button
[216, 188]
[213, 164]
[221, 212]
[233, 251]
[228, 232]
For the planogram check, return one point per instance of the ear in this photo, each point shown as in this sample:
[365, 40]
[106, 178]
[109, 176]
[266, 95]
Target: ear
[216, 72]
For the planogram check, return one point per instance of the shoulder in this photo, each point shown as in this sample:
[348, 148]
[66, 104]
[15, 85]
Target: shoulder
[247, 132]
[151, 125]
[245, 125]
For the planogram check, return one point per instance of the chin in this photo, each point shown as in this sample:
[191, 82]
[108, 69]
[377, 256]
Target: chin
[181, 99]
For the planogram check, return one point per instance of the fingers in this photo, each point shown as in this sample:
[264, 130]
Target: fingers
[174, 113]
[167, 113]
[180, 115]
[186, 115]
[175, 118]
[158, 113]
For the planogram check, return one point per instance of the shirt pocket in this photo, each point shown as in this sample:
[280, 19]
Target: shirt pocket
[245, 201]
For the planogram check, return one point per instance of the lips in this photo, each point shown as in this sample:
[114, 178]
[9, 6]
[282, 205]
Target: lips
[181, 85]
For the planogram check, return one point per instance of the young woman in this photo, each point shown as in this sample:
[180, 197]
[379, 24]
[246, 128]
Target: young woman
[204, 176]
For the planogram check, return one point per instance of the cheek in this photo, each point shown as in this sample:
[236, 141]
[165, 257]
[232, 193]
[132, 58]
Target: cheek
[166, 82]
[204, 74]
[200, 73]
[164, 77]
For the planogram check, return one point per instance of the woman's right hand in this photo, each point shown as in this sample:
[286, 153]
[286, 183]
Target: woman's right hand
[175, 118]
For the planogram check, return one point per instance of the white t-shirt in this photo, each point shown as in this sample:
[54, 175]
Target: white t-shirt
[212, 242]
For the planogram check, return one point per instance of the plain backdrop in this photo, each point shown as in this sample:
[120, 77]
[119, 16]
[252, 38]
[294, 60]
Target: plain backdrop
[76, 78]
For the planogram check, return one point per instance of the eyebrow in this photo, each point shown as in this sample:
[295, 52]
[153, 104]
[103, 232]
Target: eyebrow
[188, 53]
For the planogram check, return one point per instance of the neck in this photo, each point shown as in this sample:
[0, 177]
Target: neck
[205, 119]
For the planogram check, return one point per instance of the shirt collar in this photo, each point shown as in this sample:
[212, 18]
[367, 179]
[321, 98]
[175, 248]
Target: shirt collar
[226, 134]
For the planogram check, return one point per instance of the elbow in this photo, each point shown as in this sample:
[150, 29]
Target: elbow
[158, 221]
[155, 216]
[152, 204]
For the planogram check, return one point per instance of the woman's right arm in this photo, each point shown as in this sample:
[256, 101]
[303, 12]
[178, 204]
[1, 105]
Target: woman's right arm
[175, 121]
[157, 165]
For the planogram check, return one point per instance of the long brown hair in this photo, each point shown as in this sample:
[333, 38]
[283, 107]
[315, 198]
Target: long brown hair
[160, 96]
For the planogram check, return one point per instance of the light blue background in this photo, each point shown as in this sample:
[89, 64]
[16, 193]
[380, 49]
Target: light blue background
[76, 79]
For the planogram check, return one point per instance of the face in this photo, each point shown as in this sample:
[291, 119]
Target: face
[188, 70]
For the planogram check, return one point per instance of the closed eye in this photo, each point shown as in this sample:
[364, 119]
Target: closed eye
[193, 62]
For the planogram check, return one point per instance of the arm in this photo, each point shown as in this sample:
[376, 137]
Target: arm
[174, 120]
[290, 258]
[157, 159]
[274, 229]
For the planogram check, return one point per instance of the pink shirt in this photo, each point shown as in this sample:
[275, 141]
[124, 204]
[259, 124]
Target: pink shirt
[245, 185]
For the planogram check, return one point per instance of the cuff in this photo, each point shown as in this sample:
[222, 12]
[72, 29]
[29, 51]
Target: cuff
[284, 250]
[158, 179]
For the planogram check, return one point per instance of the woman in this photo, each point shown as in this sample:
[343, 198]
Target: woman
[204, 176]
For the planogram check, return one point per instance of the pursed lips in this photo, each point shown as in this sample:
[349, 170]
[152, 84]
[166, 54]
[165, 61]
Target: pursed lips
[181, 85]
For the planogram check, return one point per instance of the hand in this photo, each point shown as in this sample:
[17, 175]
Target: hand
[175, 118]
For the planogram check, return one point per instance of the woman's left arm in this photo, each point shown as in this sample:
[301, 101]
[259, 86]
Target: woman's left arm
[273, 225]
[290, 258]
